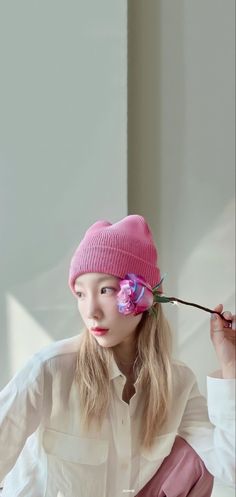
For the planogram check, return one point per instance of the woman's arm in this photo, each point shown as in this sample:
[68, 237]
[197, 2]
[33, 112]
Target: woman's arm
[211, 432]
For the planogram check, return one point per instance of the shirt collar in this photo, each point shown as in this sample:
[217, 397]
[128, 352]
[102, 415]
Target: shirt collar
[114, 371]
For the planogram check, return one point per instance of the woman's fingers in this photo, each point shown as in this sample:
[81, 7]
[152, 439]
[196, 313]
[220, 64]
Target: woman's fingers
[227, 319]
[223, 327]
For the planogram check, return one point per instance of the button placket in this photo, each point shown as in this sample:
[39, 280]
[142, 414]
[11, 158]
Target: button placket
[125, 448]
[122, 437]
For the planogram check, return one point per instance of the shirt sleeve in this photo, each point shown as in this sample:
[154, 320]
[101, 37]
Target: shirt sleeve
[210, 430]
[21, 404]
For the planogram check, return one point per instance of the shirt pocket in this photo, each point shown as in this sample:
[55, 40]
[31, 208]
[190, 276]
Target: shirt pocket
[151, 459]
[161, 447]
[77, 466]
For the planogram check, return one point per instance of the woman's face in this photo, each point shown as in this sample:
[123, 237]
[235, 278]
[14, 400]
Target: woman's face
[97, 304]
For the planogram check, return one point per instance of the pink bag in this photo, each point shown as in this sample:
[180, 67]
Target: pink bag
[182, 474]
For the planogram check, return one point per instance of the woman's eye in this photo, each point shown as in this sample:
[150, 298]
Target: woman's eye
[79, 294]
[108, 290]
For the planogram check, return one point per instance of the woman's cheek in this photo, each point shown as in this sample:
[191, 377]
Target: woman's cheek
[81, 307]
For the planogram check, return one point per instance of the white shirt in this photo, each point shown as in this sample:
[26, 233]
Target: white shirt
[44, 453]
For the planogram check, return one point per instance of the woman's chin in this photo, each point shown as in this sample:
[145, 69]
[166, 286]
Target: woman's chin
[106, 342]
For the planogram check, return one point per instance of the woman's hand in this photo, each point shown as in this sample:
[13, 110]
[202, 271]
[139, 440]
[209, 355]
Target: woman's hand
[223, 335]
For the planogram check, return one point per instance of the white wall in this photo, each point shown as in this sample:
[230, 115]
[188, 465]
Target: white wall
[181, 157]
[63, 143]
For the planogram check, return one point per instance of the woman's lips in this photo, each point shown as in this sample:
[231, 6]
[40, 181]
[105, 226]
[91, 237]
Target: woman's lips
[99, 331]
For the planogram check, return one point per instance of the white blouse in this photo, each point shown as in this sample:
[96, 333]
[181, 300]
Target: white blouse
[43, 452]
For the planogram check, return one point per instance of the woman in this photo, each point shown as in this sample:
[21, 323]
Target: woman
[109, 413]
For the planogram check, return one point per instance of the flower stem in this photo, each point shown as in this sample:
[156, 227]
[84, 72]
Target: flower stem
[175, 299]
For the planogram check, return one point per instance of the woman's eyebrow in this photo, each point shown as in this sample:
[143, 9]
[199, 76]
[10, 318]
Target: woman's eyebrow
[105, 278]
[99, 280]
[77, 287]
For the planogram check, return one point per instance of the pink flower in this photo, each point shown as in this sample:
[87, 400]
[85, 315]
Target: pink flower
[135, 295]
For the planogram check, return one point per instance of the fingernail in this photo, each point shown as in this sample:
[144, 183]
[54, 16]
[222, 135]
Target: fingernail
[213, 316]
[227, 314]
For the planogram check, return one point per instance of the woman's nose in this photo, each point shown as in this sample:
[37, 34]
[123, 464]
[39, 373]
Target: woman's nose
[94, 311]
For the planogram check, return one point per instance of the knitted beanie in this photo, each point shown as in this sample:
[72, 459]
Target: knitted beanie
[117, 249]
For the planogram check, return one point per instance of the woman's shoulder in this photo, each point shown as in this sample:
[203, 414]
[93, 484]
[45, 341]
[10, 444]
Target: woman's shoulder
[59, 356]
[58, 352]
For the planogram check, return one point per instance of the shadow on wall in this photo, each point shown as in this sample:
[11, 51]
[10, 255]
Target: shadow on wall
[181, 161]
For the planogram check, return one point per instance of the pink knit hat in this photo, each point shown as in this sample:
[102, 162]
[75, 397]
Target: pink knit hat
[117, 249]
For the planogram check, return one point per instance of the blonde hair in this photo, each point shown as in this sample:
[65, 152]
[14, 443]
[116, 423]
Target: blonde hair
[152, 369]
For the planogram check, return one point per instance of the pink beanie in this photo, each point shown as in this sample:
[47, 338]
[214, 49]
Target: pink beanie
[117, 249]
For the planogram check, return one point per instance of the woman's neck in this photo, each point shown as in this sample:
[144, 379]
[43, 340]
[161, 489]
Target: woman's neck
[125, 355]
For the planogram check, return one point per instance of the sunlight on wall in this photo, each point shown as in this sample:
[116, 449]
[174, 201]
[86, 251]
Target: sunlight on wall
[216, 252]
[25, 335]
[207, 278]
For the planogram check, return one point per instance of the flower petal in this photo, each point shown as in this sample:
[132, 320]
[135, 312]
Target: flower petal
[135, 295]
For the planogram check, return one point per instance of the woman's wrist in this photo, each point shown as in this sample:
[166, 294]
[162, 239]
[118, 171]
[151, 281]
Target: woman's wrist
[229, 371]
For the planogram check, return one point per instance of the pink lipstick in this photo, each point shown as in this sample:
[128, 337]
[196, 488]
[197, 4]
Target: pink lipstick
[99, 331]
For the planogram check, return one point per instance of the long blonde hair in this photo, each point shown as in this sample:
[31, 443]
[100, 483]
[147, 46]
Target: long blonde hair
[152, 369]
